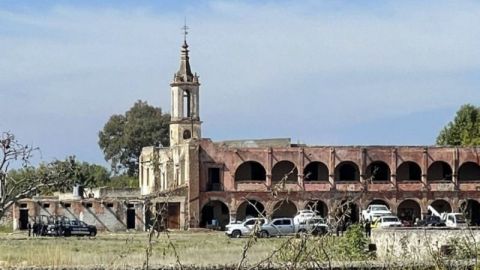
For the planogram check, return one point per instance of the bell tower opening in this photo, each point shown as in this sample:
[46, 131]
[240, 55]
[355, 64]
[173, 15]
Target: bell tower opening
[186, 104]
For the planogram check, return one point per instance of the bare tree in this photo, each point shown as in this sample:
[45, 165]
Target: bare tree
[17, 155]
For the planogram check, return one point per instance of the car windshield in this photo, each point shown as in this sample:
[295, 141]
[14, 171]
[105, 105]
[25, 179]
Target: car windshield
[390, 219]
[379, 208]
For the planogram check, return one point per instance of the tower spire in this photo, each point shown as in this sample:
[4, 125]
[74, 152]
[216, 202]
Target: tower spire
[184, 74]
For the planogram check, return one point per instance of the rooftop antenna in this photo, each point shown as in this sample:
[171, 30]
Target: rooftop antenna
[185, 30]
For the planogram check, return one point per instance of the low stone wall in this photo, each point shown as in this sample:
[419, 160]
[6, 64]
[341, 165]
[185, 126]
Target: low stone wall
[421, 244]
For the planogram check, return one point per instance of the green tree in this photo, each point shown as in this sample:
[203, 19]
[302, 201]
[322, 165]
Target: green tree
[68, 171]
[464, 130]
[124, 136]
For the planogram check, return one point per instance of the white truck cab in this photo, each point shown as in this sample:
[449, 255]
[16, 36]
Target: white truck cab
[455, 220]
[374, 211]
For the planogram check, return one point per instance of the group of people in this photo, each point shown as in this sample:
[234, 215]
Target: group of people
[343, 225]
[36, 229]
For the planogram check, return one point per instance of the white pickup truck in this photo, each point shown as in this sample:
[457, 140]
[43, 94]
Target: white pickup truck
[374, 211]
[453, 220]
[288, 226]
[237, 230]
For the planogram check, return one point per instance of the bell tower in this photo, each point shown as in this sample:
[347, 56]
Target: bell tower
[185, 123]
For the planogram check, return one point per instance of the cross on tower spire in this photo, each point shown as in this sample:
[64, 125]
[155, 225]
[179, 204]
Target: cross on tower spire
[185, 30]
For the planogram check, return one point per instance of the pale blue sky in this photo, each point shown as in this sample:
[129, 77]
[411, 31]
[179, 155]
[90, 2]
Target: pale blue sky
[320, 72]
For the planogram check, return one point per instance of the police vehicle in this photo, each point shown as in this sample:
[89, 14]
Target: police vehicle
[79, 228]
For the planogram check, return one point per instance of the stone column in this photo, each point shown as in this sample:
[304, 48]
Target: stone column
[301, 163]
[269, 166]
[331, 168]
[393, 167]
[425, 166]
[363, 159]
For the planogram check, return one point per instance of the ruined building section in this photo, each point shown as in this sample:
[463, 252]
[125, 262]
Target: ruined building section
[170, 170]
[106, 208]
[196, 182]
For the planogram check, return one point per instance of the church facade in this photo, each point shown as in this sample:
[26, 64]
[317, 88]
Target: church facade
[200, 182]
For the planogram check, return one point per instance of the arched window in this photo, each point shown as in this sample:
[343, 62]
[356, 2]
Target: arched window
[409, 171]
[250, 170]
[378, 171]
[284, 170]
[347, 171]
[315, 171]
[439, 170]
[469, 171]
[186, 104]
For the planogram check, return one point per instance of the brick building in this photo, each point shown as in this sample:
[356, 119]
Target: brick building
[226, 180]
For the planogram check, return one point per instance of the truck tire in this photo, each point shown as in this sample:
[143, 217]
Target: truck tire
[263, 234]
[236, 234]
[93, 233]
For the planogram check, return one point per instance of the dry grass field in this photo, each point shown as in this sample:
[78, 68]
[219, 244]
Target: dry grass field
[123, 250]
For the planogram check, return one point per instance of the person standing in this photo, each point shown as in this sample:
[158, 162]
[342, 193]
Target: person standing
[368, 228]
[29, 228]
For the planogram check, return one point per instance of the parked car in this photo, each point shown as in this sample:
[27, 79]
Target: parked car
[278, 227]
[67, 227]
[315, 226]
[431, 221]
[388, 221]
[303, 215]
[236, 230]
[374, 211]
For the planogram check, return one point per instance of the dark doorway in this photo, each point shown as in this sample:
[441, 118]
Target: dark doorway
[471, 210]
[214, 179]
[215, 214]
[131, 218]
[23, 221]
[409, 210]
[438, 171]
[173, 220]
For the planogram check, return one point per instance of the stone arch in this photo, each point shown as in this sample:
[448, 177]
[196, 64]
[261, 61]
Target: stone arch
[284, 208]
[381, 202]
[409, 171]
[315, 171]
[409, 210]
[347, 171]
[378, 171]
[439, 170]
[250, 208]
[215, 211]
[318, 206]
[471, 210]
[441, 206]
[284, 169]
[250, 170]
[469, 171]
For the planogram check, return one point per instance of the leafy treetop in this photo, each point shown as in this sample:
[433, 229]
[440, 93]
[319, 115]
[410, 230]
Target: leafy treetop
[464, 130]
[124, 136]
